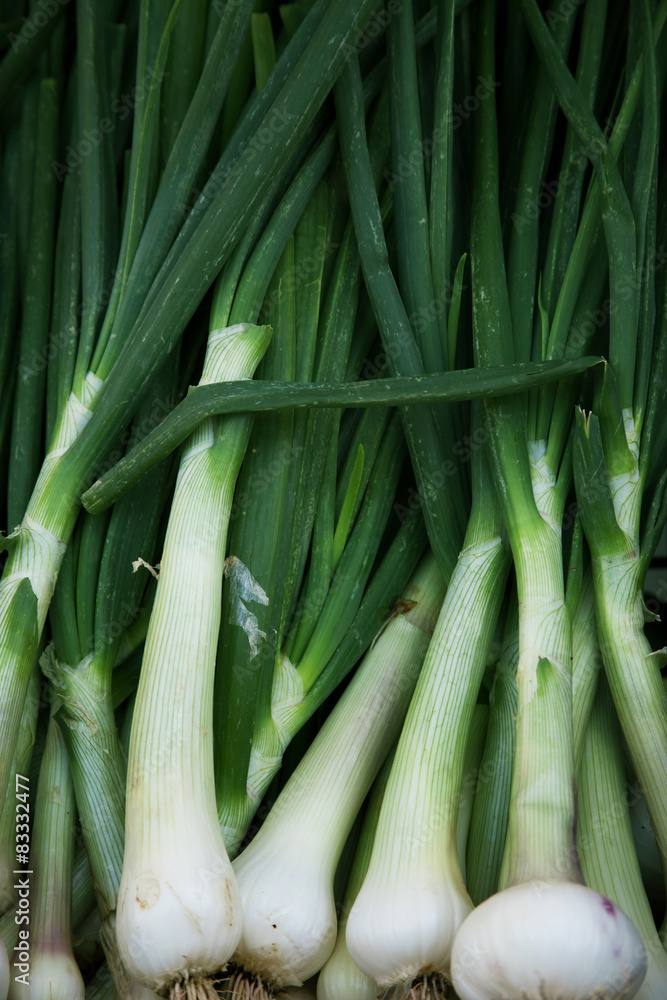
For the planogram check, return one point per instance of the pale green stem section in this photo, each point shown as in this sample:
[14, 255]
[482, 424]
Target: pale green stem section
[586, 662]
[89, 730]
[81, 707]
[471, 778]
[604, 837]
[20, 765]
[171, 728]
[270, 740]
[540, 834]
[8, 930]
[488, 824]
[36, 550]
[53, 969]
[633, 671]
[419, 815]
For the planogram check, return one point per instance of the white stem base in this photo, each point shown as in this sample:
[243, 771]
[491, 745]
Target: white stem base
[547, 941]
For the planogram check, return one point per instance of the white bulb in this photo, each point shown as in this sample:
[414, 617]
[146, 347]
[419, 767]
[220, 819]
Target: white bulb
[180, 917]
[398, 929]
[547, 941]
[289, 913]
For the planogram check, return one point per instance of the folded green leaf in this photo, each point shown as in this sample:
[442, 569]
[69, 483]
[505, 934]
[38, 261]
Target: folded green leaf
[256, 396]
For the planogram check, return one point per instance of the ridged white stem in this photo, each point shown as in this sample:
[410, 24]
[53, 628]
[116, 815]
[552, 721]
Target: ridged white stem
[586, 662]
[413, 899]
[540, 835]
[178, 915]
[286, 874]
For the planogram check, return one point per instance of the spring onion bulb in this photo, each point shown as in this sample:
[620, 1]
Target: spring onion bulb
[413, 899]
[178, 917]
[52, 969]
[513, 946]
[286, 874]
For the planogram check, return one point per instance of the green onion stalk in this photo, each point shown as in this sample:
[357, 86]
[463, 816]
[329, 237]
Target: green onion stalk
[541, 930]
[286, 874]
[402, 925]
[98, 595]
[178, 918]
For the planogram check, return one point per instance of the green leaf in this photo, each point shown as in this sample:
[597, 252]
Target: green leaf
[257, 396]
[345, 519]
